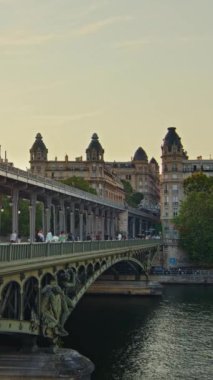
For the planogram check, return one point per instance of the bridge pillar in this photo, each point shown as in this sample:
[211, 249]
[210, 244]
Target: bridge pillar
[89, 221]
[32, 215]
[15, 199]
[123, 223]
[54, 220]
[113, 225]
[81, 222]
[102, 224]
[61, 216]
[47, 215]
[133, 227]
[140, 227]
[72, 218]
[108, 225]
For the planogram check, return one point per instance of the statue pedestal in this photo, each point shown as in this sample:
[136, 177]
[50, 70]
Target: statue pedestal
[64, 364]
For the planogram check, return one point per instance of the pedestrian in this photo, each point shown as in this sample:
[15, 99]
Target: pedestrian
[49, 237]
[62, 237]
[70, 237]
[39, 236]
[13, 237]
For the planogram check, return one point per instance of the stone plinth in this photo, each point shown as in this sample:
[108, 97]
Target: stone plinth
[65, 364]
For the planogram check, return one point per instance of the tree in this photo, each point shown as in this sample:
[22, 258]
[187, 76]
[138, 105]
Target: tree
[132, 198]
[79, 183]
[23, 216]
[195, 220]
[198, 182]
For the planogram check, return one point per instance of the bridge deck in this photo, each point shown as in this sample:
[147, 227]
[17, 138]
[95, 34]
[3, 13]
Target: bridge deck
[30, 254]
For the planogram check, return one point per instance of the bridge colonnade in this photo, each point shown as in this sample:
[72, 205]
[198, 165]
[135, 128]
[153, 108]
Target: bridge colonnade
[71, 210]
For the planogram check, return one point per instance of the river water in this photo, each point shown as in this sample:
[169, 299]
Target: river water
[142, 338]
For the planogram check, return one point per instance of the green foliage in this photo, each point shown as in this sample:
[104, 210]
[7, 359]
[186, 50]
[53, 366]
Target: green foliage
[24, 221]
[195, 225]
[132, 198]
[127, 187]
[79, 183]
[198, 182]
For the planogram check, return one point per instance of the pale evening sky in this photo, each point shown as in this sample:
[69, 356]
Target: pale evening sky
[125, 69]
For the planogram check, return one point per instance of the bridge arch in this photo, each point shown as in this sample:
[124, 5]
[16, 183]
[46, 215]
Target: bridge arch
[99, 270]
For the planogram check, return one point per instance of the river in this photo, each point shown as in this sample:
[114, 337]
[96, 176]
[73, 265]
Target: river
[142, 338]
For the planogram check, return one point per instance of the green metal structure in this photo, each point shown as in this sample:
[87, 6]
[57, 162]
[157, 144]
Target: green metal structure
[41, 283]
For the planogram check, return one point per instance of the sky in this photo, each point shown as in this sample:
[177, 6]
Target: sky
[124, 69]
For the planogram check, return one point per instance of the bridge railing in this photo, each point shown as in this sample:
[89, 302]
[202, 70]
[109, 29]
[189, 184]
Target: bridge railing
[25, 251]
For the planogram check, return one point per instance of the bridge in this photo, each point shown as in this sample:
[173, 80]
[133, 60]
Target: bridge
[41, 283]
[65, 208]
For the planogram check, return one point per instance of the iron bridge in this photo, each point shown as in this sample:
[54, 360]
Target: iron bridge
[41, 283]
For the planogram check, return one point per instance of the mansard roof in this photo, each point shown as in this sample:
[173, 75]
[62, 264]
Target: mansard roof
[153, 161]
[140, 155]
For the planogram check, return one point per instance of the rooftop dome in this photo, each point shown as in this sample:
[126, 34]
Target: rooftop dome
[95, 151]
[172, 138]
[38, 143]
[140, 155]
[153, 161]
[39, 150]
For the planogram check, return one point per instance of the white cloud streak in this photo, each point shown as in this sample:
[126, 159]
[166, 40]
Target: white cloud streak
[131, 44]
[96, 26]
[22, 38]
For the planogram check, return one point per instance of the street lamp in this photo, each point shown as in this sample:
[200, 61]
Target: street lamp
[2, 210]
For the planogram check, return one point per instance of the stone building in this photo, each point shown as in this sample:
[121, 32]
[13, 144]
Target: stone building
[104, 177]
[143, 175]
[93, 169]
[176, 166]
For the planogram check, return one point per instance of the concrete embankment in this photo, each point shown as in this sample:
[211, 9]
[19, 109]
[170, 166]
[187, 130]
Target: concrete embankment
[133, 288]
[184, 279]
[203, 277]
[65, 364]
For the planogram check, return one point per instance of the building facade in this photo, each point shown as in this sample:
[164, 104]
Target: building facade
[143, 175]
[176, 166]
[104, 177]
[93, 169]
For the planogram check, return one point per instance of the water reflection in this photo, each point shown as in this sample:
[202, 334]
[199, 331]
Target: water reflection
[147, 339]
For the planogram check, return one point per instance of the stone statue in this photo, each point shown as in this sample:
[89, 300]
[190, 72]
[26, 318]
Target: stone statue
[55, 309]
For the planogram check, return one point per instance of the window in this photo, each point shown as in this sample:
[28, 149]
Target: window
[174, 187]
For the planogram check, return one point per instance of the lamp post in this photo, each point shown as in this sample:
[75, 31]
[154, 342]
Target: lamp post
[1, 212]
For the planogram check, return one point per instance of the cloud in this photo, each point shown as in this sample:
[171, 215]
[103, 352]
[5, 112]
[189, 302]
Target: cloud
[23, 38]
[131, 44]
[96, 26]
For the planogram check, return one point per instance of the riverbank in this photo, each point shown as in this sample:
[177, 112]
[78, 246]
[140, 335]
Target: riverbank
[203, 277]
[128, 288]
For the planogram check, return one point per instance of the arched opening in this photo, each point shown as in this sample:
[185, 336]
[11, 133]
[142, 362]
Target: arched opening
[46, 279]
[10, 305]
[89, 271]
[30, 298]
[82, 274]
